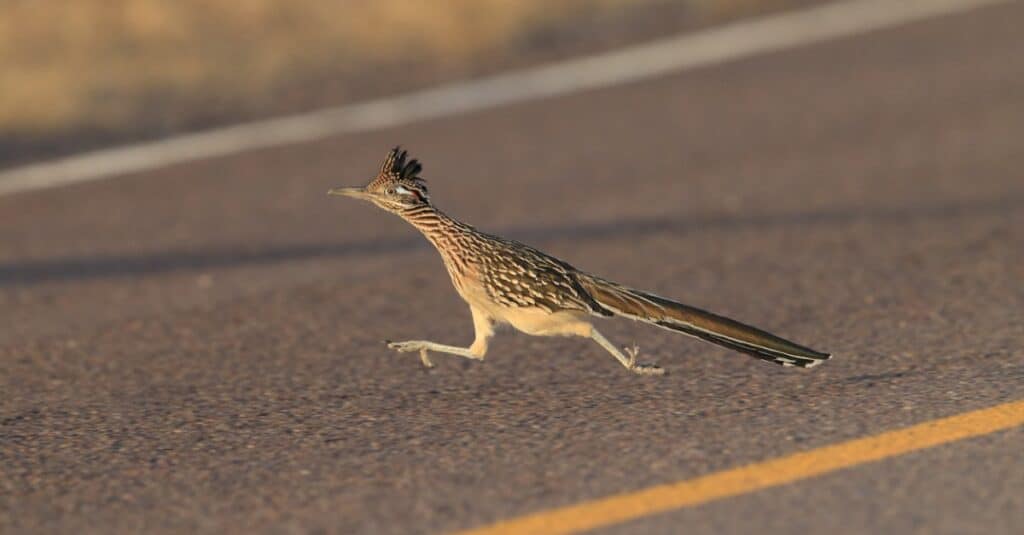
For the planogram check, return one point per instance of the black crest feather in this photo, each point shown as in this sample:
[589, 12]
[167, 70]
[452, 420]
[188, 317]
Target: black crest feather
[395, 165]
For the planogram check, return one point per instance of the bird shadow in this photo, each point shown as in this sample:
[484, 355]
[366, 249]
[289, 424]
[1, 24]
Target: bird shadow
[125, 265]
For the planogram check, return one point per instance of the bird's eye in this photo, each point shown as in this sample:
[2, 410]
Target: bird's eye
[390, 191]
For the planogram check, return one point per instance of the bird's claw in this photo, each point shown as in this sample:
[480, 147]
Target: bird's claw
[409, 347]
[641, 369]
[633, 352]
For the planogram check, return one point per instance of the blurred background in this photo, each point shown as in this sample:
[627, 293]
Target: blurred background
[81, 74]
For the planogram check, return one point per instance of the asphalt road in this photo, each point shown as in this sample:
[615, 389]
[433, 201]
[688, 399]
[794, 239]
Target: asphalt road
[199, 348]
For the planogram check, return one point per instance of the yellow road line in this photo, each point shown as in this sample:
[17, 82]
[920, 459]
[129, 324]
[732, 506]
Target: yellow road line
[758, 476]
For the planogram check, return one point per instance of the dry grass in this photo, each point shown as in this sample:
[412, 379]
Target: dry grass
[67, 64]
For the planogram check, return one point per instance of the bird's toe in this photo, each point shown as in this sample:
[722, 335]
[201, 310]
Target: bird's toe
[405, 347]
[648, 369]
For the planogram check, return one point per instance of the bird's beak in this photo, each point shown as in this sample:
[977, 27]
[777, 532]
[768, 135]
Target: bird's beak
[358, 193]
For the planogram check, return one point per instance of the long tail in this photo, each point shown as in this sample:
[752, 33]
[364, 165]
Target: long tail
[702, 324]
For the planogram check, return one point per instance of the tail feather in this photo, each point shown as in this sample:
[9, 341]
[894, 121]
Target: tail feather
[702, 324]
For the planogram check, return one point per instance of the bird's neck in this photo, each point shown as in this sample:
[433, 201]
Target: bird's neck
[443, 231]
[433, 223]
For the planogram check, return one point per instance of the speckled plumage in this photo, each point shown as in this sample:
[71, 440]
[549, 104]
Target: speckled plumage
[505, 281]
[511, 273]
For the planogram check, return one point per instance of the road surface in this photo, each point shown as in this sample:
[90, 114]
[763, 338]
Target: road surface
[199, 348]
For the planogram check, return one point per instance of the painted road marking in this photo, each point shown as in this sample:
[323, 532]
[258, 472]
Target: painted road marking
[759, 476]
[674, 54]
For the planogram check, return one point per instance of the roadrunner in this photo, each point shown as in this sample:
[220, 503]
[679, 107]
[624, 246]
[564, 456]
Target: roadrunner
[505, 281]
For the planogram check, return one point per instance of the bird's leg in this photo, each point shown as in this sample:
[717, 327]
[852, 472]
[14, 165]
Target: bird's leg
[423, 346]
[482, 325]
[629, 362]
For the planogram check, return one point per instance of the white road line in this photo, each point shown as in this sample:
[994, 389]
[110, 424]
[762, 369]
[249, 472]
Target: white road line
[675, 54]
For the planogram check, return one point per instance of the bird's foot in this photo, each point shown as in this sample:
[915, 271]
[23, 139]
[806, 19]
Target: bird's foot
[411, 346]
[641, 369]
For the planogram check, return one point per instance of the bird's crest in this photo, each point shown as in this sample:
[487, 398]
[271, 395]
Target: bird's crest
[396, 166]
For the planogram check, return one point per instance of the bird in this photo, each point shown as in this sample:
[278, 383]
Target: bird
[507, 282]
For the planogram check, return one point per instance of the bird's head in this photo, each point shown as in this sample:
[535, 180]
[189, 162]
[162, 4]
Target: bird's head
[396, 188]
